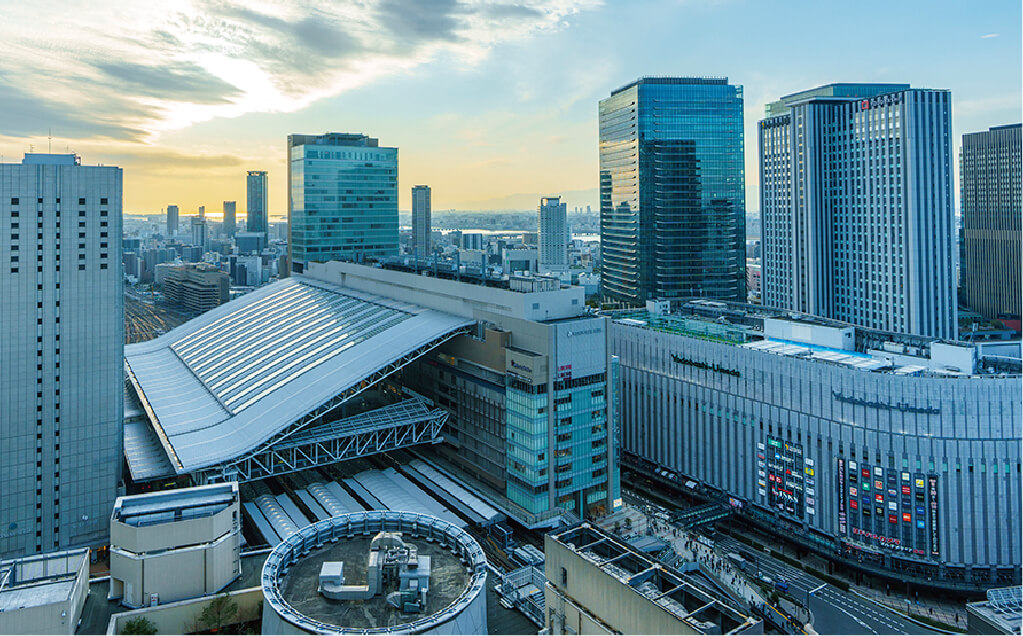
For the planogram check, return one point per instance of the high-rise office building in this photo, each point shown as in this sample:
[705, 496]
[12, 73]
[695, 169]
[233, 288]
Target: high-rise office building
[343, 199]
[992, 215]
[856, 207]
[172, 220]
[230, 217]
[672, 190]
[422, 246]
[552, 235]
[202, 212]
[256, 201]
[199, 233]
[61, 357]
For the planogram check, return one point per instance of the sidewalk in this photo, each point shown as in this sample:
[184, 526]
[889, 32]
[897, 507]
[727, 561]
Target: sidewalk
[950, 613]
[947, 613]
[717, 567]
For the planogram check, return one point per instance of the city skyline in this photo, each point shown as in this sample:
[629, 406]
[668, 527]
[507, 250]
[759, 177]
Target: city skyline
[240, 79]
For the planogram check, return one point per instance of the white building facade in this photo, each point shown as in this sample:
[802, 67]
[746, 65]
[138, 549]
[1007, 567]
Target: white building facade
[856, 196]
[61, 344]
[552, 236]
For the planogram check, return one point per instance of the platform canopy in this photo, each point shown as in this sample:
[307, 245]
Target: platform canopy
[236, 378]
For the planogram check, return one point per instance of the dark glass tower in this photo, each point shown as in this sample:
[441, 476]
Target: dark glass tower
[672, 191]
[992, 221]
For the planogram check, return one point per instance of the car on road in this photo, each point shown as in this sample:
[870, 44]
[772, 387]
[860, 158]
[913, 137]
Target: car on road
[781, 586]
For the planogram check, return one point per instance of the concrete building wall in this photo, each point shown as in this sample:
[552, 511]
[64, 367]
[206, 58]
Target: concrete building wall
[581, 598]
[181, 617]
[59, 617]
[176, 559]
[452, 296]
[61, 352]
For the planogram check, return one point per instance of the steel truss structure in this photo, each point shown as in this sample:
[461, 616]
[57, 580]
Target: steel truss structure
[389, 428]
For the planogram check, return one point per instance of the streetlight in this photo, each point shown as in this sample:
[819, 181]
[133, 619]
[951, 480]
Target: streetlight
[810, 593]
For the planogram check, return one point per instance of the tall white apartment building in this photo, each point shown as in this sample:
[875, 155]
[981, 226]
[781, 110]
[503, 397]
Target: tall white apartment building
[61, 352]
[856, 196]
[421, 210]
[552, 237]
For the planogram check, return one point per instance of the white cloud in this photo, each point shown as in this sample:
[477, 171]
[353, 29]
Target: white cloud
[989, 35]
[130, 71]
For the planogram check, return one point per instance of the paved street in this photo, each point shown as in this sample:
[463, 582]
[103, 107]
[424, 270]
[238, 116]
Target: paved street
[835, 611]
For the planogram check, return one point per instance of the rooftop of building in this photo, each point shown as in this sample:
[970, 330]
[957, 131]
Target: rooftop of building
[670, 80]
[448, 579]
[290, 576]
[1002, 608]
[41, 579]
[755, 327]
[290, 347]
[993, 128]
[662, 586]
[174, 505]
[839, 90]
[334, 139]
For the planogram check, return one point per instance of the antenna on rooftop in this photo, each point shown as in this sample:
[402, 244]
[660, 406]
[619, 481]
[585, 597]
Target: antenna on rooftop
[49, 140]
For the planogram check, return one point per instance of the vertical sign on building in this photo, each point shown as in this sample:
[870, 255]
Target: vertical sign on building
[841, 496]
[932, 491]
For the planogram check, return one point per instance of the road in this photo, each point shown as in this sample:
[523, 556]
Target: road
[835, 611]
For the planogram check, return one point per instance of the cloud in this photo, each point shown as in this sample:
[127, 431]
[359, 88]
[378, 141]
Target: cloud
[131, 71]
[29, 115]
[179, 81]
[989, 35]
[173, 161]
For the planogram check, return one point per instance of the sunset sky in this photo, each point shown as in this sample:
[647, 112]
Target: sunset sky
[492, 104]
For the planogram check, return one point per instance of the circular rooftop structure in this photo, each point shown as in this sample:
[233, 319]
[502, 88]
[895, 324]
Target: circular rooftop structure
[378, 572]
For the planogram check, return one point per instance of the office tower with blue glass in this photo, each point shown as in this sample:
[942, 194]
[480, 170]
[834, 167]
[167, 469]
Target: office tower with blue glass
[856, 206]
[61, 353]
[172, 220]
[342, 199]
[256, 201]
[552, 235]
[992, 215]
[672, 191]
[422, 205]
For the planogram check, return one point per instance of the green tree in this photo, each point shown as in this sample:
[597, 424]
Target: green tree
[220, 612]
[140, 625]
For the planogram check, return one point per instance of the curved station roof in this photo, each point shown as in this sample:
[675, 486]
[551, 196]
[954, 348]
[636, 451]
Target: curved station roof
[225, 383]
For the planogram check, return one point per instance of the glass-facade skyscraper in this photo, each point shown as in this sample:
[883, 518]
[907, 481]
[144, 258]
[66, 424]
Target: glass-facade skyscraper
[256, 201]
[230, 217]
[342, 199]
[672, 191]
[856, 203]
[422, 243]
